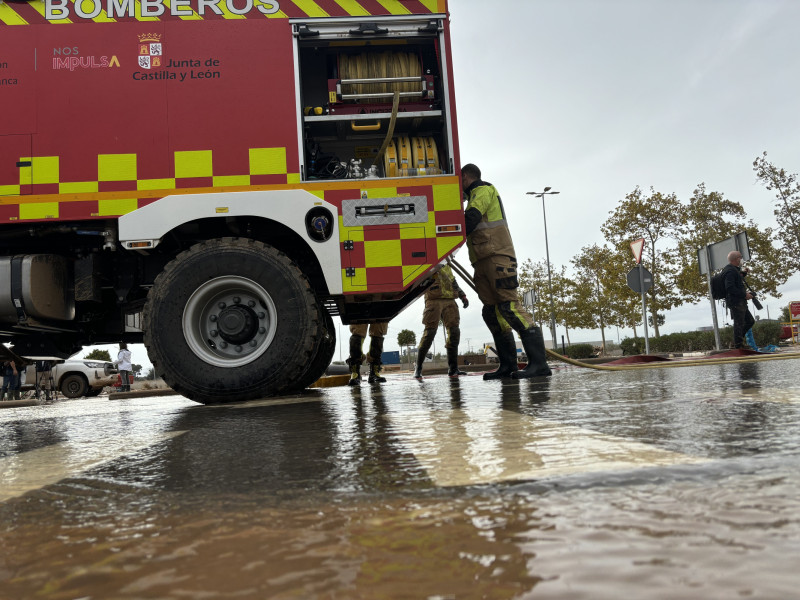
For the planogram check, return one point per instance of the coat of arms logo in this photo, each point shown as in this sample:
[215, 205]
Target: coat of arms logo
[151, 50]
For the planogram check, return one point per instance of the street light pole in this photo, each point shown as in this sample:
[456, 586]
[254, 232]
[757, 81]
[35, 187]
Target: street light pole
[541, 195]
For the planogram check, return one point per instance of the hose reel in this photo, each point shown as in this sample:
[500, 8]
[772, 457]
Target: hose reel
[411, 156]
[367, 77]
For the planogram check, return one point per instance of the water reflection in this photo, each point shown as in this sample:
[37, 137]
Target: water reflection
[678, 483]
[749, 375]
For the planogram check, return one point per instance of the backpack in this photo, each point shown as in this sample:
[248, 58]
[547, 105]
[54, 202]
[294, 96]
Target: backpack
[718, 285]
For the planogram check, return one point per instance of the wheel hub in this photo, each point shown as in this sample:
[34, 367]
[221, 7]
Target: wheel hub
[229, 321]
[237, 324]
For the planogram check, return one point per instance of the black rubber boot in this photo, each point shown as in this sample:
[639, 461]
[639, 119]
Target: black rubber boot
[375, 351]
[418, 367]
[424, 345]
[375, 374]
[355, 360]
[533, 343]
[355, 373]
[452, 363]
[507, 353]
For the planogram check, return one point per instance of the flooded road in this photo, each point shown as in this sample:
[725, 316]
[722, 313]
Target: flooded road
[679, 483]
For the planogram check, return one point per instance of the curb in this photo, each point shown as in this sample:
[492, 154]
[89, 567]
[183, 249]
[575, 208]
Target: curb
[142, 394]
[16, 403]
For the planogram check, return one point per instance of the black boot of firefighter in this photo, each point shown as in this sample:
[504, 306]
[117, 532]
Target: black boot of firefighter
[355, 373]
[533, 344]
[355, 360]
[424, 345]
[452, 363]
[418, 367]
[375, 351]
[507, 353]
[375, 374]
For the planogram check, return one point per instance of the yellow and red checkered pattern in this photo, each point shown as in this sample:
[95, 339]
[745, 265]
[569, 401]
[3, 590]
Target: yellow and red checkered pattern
[118, 190]
[393, 256]
[33, 12]
[380, 257]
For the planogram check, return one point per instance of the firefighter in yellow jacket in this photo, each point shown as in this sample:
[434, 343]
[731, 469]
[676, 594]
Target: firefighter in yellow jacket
[440, 305]
[491, 253]
[377, 331]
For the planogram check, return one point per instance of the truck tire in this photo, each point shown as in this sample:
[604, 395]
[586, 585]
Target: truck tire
[231, 319]
[74, 385]
[322, 356]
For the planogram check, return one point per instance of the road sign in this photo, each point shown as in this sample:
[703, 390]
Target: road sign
[633, 280]
[529, 298]
[637, 247]
[718, 253]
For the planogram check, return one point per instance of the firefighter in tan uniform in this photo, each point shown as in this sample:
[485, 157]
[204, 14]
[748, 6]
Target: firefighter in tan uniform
[377, 331]
[491, 253]
[440, 305]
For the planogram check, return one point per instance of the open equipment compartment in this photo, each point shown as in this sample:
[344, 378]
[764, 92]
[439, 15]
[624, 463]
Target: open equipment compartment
[373, 98]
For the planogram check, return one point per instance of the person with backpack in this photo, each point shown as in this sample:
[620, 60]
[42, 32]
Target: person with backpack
[736, 297]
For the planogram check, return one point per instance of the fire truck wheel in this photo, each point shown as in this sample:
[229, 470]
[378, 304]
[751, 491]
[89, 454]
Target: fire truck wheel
[231, 319]
[74, 386]
[323, 354]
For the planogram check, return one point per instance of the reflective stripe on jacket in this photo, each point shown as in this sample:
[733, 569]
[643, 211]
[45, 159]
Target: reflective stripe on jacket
[491, 236]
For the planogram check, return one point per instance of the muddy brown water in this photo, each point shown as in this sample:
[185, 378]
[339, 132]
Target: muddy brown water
[654, 484]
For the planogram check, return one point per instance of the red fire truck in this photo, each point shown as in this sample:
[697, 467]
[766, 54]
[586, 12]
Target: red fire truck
[217, 178]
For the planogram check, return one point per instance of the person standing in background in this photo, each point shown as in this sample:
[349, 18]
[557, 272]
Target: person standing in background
[377, 331]
[123, 364]
[736, 297]
[440, 305]
[10, 381]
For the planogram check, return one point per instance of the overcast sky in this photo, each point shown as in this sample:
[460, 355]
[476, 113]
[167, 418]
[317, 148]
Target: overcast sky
[596, 97]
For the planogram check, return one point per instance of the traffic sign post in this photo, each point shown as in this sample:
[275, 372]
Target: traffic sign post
[641, 280]
[714, 322]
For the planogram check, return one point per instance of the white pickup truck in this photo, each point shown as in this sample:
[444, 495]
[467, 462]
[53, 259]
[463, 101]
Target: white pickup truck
[76, 378]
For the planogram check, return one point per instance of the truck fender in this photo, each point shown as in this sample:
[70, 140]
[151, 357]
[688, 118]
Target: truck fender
[145, 227]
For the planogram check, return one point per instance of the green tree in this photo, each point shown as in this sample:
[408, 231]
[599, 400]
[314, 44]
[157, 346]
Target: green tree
[563, 299]
[787, 209]
[98, 354]
[658, 218]
[533, 276]
[710, 218]
[136, 370]
[405, 339]
[624, 308]
[594, 302]
[603, 298]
